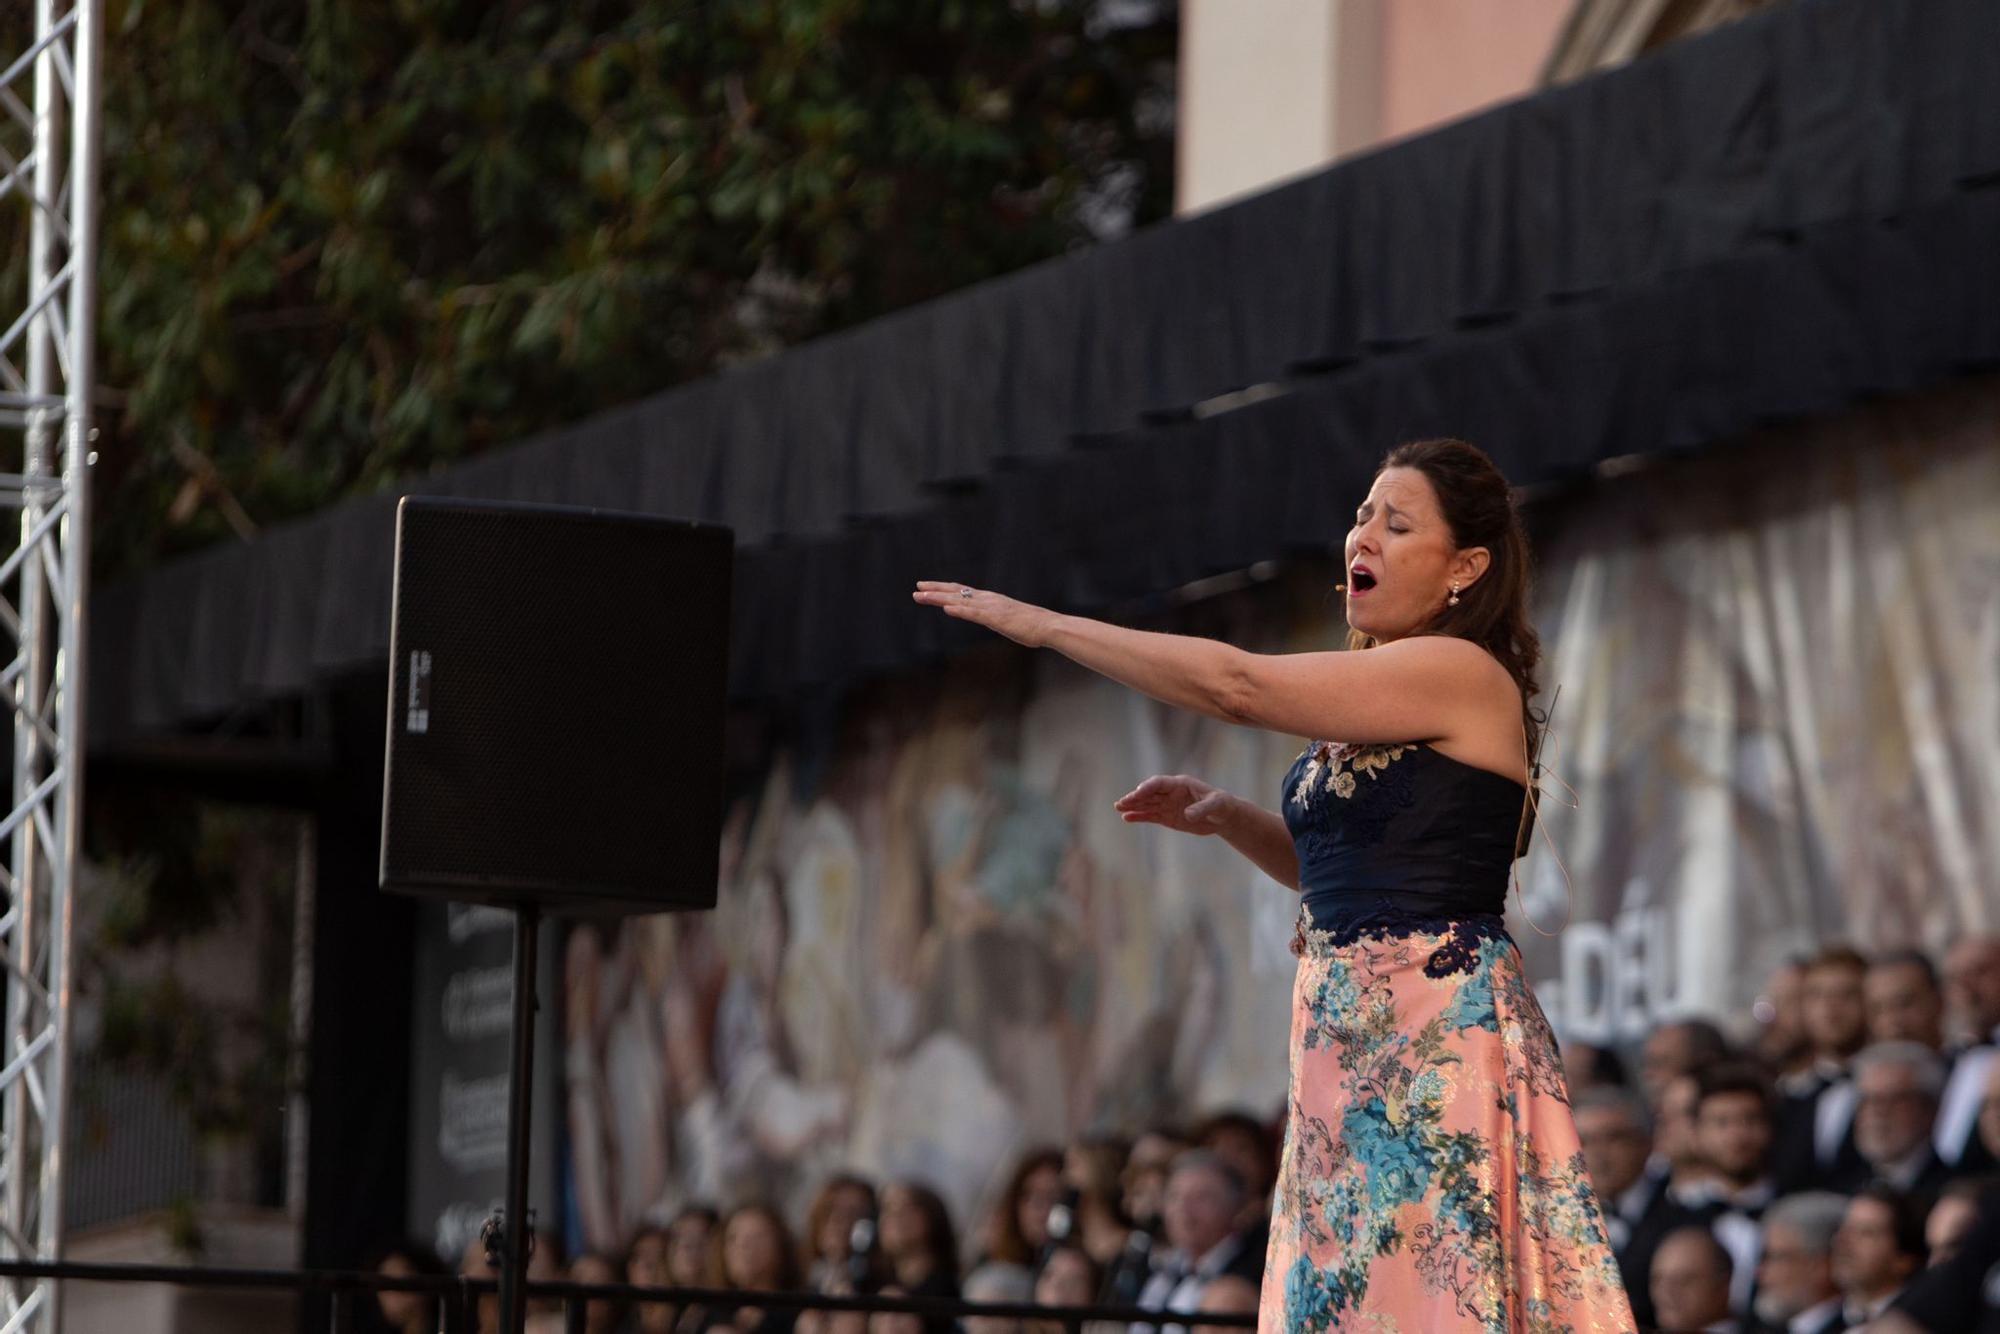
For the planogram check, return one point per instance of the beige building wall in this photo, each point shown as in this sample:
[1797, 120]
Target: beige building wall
[1270, 89]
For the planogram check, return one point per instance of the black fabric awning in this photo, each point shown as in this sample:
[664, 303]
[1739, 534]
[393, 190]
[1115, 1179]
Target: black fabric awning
[1773, 220]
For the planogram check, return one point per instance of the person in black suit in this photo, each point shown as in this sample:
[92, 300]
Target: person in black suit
[1972, 1003]
[1612, 1125]
[1795, 1288]
[1816, 1103]
[1898, 1085]
[1733, 1135]
[1877, 1251]
[1205, 1197]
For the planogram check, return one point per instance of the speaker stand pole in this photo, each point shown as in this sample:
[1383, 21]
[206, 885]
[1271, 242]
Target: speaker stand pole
[518, 1236]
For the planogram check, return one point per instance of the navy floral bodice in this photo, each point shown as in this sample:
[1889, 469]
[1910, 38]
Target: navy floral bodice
[1399, 838]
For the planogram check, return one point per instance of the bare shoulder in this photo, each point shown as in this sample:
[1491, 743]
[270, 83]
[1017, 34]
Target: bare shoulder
[1488, 734]
[1447, 658]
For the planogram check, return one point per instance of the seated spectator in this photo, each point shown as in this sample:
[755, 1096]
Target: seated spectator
[1204, 1200]
[1690, 1281]
[405, 1312]
[1904, 999]
[1898, 1085]
[918, 1256]
[1781, 1042]
[1968, 1125]
[1244, 1142]
[1019, 1226]
[1951, 1217]
[679, 1255]
[1675, 1157]
[919, 1247]
[1679, 1047]
[895, 1322]
[1957, 1296]
[1878, 1247]
[601, 1316]
[1228, 1295]
[1816, 1104]
[1589, 1066]
[1795, 1288]
[997, 1281]
[754, 1254]
[1972, 1018]
[1068, 1277]
[1145, 1176]
[1638, 1211]
[1732, 1132]
[842, 1202]
[1093, 1169]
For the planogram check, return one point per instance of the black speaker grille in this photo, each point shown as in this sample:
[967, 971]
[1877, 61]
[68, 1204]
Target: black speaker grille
[557, 683]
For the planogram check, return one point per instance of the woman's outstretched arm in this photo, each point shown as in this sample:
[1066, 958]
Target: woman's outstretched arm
[1415, 689]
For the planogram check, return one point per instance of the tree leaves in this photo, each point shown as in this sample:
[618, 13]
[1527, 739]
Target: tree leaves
[345, 242]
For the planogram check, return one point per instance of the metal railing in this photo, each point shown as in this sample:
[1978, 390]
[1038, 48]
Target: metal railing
[458, 1298]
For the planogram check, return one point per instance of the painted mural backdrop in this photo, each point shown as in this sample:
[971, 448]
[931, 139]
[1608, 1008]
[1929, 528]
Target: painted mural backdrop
[937, 944]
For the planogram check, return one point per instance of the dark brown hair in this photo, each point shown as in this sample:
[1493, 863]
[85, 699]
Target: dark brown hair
[1007, 1244]
[940, 1237]
[1478, 507]
[788, 1251]
[1738, 1078]
[822, 1205]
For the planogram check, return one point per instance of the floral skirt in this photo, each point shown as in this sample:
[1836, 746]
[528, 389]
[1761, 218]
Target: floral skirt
[1431, 1177]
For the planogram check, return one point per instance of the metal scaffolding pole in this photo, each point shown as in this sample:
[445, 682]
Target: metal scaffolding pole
[48, 168]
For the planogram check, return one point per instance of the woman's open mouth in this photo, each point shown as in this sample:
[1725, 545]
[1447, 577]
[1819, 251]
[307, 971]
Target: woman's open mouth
[1359, 580]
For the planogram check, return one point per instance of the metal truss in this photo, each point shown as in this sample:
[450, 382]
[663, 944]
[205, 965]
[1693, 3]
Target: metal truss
[49, 145]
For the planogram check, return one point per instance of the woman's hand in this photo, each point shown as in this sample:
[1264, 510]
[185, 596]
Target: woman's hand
[1022, 622]
[1186, 805]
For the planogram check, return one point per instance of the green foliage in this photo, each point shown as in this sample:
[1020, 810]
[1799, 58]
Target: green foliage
[348, 241]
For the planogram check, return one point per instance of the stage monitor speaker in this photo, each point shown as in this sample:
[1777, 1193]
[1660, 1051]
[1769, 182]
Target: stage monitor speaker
[556, 695]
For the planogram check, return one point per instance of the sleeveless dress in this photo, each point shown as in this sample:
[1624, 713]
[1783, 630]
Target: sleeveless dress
[1431, 1177]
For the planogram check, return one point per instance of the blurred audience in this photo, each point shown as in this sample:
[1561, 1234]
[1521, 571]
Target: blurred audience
[1679, 1047]
[840, 1236]
[1228, 1295]
[1242, 1141]
[1795, 1288]
[1952, 1217]
[1897, 1085]
[1780, 1042]
[754, 1252]
[1878, 1248]
[1972, 1021]
[404, 1312]
[1590, 1066]
[1816, 1102]
[1145, 1176]
[998, 1281]
[919, 1245]
[1019, 1227]
[599, 1317]
[1204, 1204]
[1800, 1186]
[1690, 1282]
[1674, 1153]
[1093, 1170]
[1904, 999]
[1639, 1210]
[1732, 1133]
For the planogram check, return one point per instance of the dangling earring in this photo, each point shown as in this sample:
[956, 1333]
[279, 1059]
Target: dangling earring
[1453, 600]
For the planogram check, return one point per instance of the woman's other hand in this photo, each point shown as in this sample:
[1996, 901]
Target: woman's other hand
[1179, 802]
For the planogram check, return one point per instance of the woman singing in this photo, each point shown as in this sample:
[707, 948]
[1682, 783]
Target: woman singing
[1431, 1176]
